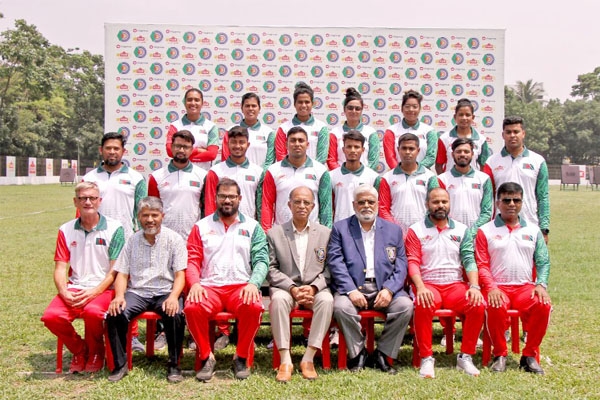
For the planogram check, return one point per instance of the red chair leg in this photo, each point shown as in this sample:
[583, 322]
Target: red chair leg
[449, 333]
[326, 352]
[487, 348]
[59, 356]
[110, 361]
[514, 334]
[342, 351]
[276, 356]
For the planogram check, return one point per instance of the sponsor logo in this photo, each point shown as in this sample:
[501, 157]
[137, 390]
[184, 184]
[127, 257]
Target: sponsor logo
[172, 84]
[379, 41]
[411, 42]
[155, 164]
[348, 72]
[488, 90]
[237, 117]
[441, 105]
[473, 74]
[442, 42]
[124, 131]
[442, 74]
[140, 52]
[301, 55]
[379, 104]
[395, 89]
[473, 43]
[269, 86]
[487, 122]
[139, 116]
[488, 59]
[268, 118]
[253, 70]
[156, 100]
[426, 58]
[237, 54]
[426, 89]
[316, 40]
[364, 56]
[253, 39]
[205, 53]
[237, 86]
[285, 71]
[348, 41]
[156, 132]
[285, 102]
[204, 85]
[333, 56]
[123, 68]
[221, 69]
[379, 72]
[394, 119]
[457, 90]
[426, 119]
[395, 57]
[457, 58]
[411, 73]
[332, 87]
[139, 148]
[269, 55]
[189, 69]
[156, 36]
[123, 35]
[317, 103]
[221, 38]
[221, 101]
[364, 88]
[172, 116]
[172, 52]
[285, 40]
[189, 37]
[156, 68]
[332, 119]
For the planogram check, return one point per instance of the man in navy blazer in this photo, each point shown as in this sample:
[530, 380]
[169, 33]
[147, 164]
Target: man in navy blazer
[368, 268]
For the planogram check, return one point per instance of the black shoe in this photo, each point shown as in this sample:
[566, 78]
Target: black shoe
[208, 369]
[174, 375]
[117, 374]
[379, 361]
[499, 364]
[240, 369]
[358, 363]
[530, 364]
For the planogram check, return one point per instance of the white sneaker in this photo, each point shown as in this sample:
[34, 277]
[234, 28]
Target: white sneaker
[443, 341]
[427, 370]
[464, 362]
[479, 343]
[334, 338]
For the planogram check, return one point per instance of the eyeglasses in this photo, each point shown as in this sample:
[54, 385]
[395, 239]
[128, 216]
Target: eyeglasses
[83, 199]
[363, 202]
[508, 200]
[230, 197]
[354, 108]
[181, 147]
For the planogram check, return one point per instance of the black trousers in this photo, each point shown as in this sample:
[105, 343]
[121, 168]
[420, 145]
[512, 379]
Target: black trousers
[135, 305]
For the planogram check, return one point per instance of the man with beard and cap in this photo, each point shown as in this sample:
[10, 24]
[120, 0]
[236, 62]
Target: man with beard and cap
[470, 190]
[228, 260]
[433, 248]
[367, 263]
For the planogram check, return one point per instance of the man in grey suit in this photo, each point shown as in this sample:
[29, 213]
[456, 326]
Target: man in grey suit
[298, 276]
[368, 268]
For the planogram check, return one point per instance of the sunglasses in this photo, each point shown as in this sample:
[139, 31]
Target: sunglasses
[508, 200]
[353, 108]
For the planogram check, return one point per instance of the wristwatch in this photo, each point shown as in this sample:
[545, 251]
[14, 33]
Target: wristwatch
[545, 231]
[475, 287]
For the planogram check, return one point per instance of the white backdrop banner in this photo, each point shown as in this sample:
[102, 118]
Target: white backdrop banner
[149, 67]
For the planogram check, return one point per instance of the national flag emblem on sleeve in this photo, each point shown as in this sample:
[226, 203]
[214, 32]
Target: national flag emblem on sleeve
[312, 177]
[529, 238]
[244, 232]
[124, 182]
[476, 186]
[194, 183]
[528, 166]
[100, 242]
[250, 178]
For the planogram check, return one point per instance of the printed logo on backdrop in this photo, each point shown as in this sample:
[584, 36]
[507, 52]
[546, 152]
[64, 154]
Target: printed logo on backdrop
[269, 55]
[189, 69]
[394, 119]
[488, 59]
[237, 117]
[487, 122]
[253, 39]
[140, 52]
[395, 57]
[268, 118]
[172, 116]
[156, 133]
[123, 100]
[473, 43]
[332, 119]
[221, 38]
[411, 42]
[364, 57]
[317, 103]
[189, 37]
[139, 84]
[442, 43]
[123, 68]
[123, 35]
[205, 53]
[395, 89]
[124, 131]
[155, 164]
[457, 90]
[285, 103]
[156, 36]
[204, 85]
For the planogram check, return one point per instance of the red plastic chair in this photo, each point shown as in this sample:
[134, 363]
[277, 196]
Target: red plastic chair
[367, 321]
[306, 316]
[220, 317]
[151, 317]
[449, 317]
[108, 358]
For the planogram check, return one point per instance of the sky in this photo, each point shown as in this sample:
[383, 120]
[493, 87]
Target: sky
[548, 41]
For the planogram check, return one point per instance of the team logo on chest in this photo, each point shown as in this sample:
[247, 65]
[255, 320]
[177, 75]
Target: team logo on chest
[320, 254]
[244, 232]
[528, 238]
[455, 238]
[391, 253]
[311, 177]
[528, 166]
[476, 185]
[100, 242]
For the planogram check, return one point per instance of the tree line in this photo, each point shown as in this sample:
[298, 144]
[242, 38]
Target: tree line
[52, 100]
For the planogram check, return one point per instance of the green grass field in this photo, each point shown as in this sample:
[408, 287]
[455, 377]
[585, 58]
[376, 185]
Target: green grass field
[30, 216]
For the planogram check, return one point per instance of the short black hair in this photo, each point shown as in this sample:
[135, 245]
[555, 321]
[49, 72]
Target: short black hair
[508, 188]
[353, 134]
[412, 94]
[185, 135]
[460, 141]
[297, 129]
[113, 135]
[303, 88]
[228, 182]
[513, 120]
[238, 131]
[408, 137]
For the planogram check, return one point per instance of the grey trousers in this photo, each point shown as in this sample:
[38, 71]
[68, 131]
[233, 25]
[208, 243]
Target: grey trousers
[398, 315]
[282, 304]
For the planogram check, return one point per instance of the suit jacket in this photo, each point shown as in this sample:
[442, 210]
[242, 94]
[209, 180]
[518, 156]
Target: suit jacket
[283, 257]
[346, 257]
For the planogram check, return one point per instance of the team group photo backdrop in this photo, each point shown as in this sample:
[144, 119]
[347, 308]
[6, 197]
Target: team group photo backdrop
[149, 68]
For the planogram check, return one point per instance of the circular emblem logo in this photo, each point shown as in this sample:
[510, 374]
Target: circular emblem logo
[348, 72]
[139, 84]
[364, 56]
[237, 54]
[285, 102]
[487, 122]
[123, 35]
[426, 58]
[156, 68]
[395, 57]
[411, 73]
[123, 100]
[364, 88]
[488, 59]
[268, 118]
[156, 36]
[221, 38]
[221, 69]
[457, 90]
[172, 84]
[442, 74]
[301, 55]
[426, 119]
[332, 119]
[221, 101]
[124, 131]
[205, 53]
[442, 42]
[172, 52]
[269, 86]
[473, 43]
[395, 89]
[285, 71]
[189, 37]
[139, 116]
[457, 58]
[156, 132]
[348, 40]
[156, 100]
[332, 87]
[379, 104]
[333, 56]
[237, 117]
[253, 70]
[139, 148]
[379, 41]
[380, 167]
[394, 119]
[365, 119]
[253, 39]
[155, 164]
[316, 40]
[189, 69]
[237, 86]
[426, 89]
[172, 116]
[285, 40]
[269, 55]
[140, 52]
[441, 105]
[473, 74]
[317, 103]
[488, 90]
[204, 85]
[379, 72]
[411, 42]
[123, 68]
